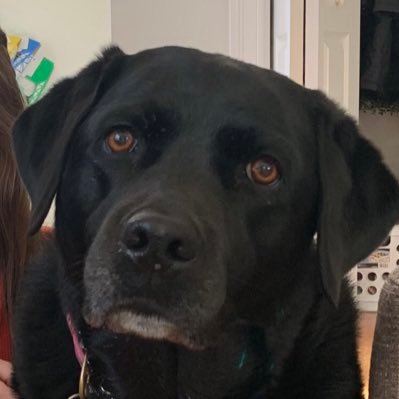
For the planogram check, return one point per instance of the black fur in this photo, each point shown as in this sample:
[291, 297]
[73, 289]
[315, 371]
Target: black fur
[253, 307]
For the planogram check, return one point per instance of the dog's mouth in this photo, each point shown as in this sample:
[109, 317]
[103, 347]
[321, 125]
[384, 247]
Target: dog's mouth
[148, 326]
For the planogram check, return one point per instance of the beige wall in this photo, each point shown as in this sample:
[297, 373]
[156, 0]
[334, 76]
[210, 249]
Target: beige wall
[141, 24]
[383, 131]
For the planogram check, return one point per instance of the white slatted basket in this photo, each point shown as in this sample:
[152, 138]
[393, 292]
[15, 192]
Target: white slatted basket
[370, 274]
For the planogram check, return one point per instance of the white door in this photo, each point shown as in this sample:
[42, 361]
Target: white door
[332, 50]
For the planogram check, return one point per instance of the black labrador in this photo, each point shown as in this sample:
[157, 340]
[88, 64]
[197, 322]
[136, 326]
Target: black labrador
[189, 190]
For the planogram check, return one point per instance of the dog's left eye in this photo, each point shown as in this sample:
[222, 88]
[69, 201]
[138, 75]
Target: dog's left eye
[121, 140]
[264, 170]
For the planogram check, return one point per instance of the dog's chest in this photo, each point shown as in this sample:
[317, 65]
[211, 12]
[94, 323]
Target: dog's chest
[234, 369]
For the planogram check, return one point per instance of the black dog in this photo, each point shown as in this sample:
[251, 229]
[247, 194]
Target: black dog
[189, 190]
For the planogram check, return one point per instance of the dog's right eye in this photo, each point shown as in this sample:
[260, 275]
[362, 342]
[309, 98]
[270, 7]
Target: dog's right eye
[121, 140]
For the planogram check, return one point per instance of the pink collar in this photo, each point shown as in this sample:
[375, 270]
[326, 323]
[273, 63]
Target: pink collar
[76, 344]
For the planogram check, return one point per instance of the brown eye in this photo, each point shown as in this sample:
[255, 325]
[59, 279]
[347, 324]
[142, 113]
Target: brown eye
[264, 170]
[121, 140]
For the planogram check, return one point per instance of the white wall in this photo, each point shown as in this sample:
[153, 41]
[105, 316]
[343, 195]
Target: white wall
[141, 24]
[71, 31]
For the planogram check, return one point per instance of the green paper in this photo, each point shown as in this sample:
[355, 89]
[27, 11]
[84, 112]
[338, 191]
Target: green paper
[40, 78]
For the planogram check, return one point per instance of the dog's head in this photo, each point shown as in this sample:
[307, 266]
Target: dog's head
[186, 180]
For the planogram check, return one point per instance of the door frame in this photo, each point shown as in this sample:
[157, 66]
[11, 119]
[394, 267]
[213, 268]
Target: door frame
[288, 29]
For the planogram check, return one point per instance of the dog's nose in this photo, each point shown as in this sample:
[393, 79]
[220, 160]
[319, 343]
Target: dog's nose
[158, 241]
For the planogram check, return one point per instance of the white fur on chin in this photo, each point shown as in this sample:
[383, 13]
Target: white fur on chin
[151, 327]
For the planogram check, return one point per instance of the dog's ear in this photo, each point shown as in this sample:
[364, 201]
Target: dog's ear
[43, 132]
[359, 197]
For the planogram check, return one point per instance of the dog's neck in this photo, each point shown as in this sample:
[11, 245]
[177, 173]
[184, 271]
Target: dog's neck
[241, 356]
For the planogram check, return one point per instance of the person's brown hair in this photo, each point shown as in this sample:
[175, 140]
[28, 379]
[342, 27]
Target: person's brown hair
[14, 202]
